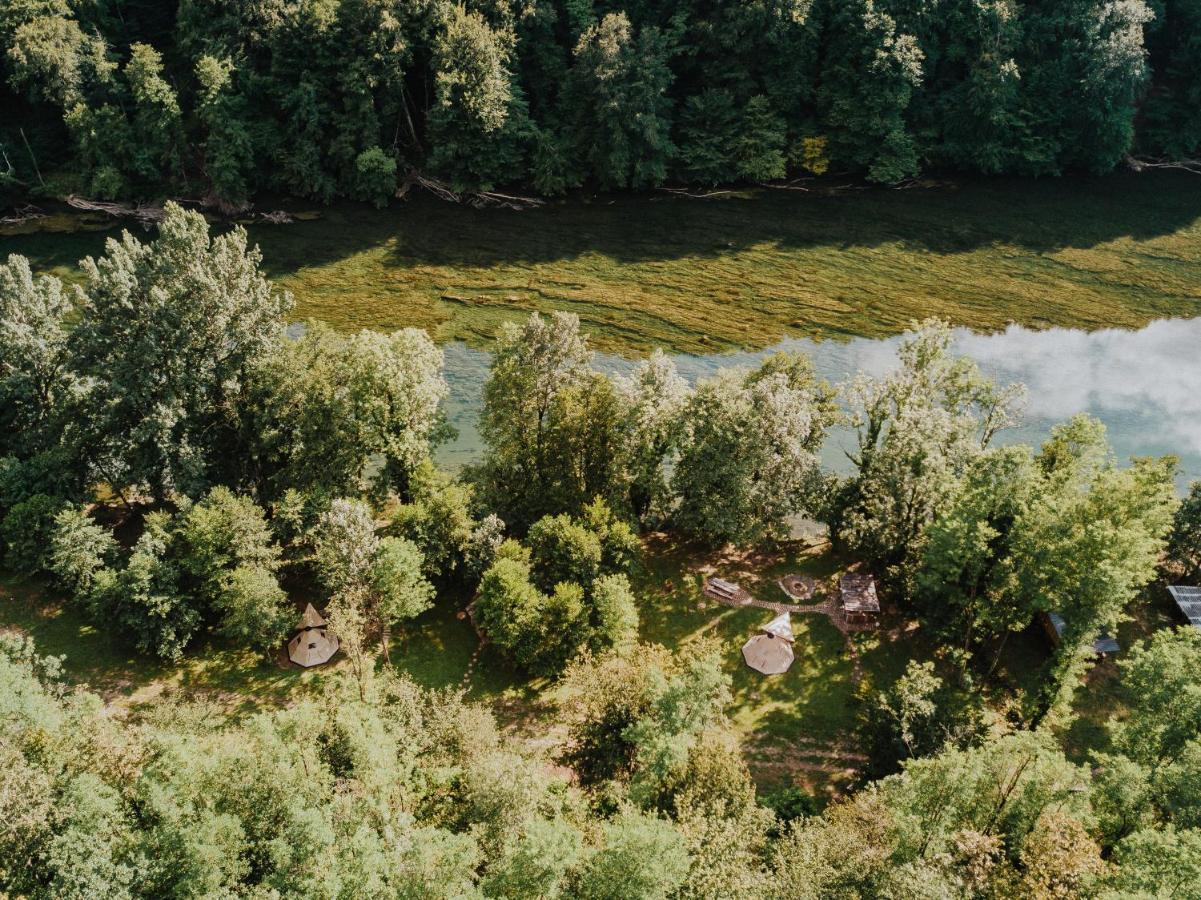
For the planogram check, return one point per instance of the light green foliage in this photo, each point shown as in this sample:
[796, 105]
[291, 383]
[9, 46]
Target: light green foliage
[167, 334]
[942, 828]
[375, 176]
[567, 590]
[79, 549]
[396, 577]
[145, 600]
[438, 519]
[1066, 531]
[35, 379]
[1092, 543]
[1162, 681]
[25, 533]
[254, 609]
[508, 609]
[1154, 863]
[748, 456]
[604, 695]
[327, 405]
[344, 546]
[679, 708]
[643, 858]
[906, 715]
[381, 578]
[536, 863]
[228, 553]
[223, 532]
[966, 581]
[533, 368]
[50, 56]
[563, 548]
[616, 611]
[654, 395]
[919, 428]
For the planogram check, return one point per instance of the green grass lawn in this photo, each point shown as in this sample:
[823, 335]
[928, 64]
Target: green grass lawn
[697, 275]
[795, 727]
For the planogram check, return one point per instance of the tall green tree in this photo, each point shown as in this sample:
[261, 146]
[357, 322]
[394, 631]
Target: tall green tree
[617, 96]
[748, 457]
[168, 334]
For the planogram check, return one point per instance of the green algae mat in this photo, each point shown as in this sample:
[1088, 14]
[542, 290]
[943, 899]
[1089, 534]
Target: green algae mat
[748, 269]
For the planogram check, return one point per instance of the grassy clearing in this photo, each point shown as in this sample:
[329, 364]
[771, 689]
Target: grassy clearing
[694, 275]
[795, 727]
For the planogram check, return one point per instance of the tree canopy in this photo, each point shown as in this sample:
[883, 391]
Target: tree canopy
[346, 98]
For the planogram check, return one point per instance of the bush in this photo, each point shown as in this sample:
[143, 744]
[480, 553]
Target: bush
[375, 177]
[567, 549]
[145, 600]
[254, 609]
[26, 532]
[79, 549]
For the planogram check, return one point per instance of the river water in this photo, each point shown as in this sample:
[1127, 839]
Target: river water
[1144, 385]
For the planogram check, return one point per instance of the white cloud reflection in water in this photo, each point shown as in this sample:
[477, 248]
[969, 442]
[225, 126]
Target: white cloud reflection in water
[1144, 385]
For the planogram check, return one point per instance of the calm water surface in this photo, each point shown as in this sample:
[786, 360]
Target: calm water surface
[1144, 385]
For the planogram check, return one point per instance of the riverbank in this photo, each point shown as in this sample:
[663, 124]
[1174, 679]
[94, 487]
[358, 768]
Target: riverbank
[701, 276]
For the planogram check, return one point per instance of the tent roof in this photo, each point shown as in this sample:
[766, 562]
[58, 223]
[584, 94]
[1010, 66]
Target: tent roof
[311, 618]
[1188, 598]
[767, 654]
[312, 647]
[780, 626]
[1105, 643]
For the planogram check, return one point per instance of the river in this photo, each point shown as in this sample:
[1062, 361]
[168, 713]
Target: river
[1145, 385]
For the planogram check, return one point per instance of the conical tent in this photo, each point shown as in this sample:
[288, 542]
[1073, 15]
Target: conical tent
[311, 618]
[768, 654]
[312, 647]
[780, 626]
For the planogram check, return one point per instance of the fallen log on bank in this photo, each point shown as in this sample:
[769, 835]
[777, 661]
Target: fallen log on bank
[146, 213]
[477, 199]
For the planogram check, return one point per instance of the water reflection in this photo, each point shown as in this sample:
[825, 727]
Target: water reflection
[1144, 385]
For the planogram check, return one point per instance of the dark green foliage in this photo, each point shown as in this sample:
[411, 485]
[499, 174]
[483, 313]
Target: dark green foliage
[708, 127]
[1184, 541]
[918, 716]
[342, 98]
[25, 533]
[616, 99]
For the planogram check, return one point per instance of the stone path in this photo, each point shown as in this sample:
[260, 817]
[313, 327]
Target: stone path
[465, 681]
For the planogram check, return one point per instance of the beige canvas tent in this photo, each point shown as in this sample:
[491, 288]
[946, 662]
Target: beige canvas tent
[771, 651]
[314, 644]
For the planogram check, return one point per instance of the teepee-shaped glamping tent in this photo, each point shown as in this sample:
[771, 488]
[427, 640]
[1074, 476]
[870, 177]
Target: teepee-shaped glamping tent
[771, 651]
[313, 645]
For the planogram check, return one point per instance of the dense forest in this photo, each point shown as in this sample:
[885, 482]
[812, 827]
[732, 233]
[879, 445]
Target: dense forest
[221, 100]
[172, 466]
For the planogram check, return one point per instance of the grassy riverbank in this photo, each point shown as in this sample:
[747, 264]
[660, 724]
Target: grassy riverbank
[703, 275]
